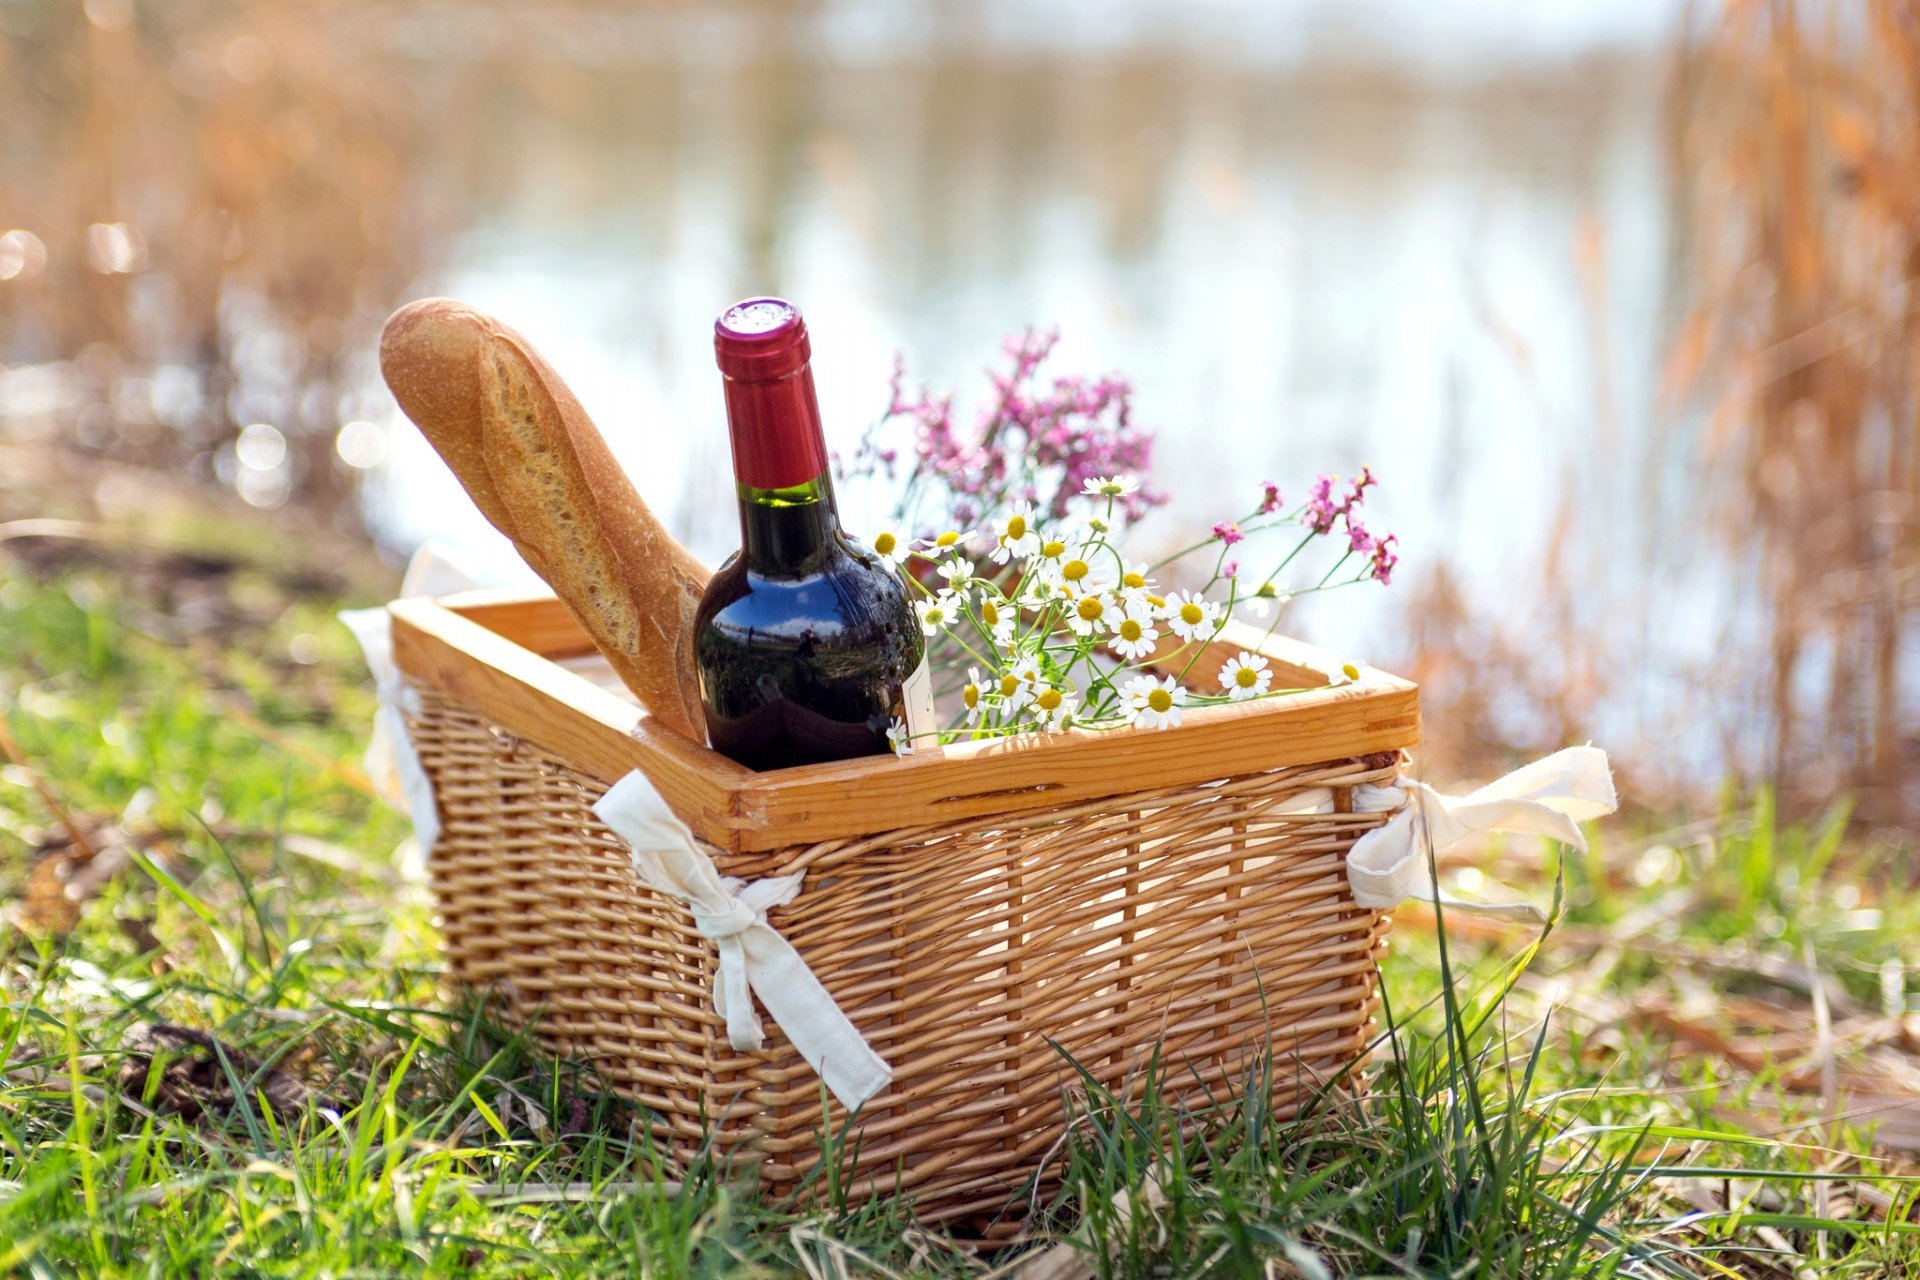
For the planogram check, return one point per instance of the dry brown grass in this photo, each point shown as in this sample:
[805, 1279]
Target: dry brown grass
[1797, 144]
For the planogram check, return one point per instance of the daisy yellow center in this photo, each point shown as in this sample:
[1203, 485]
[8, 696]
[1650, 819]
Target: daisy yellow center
[990, 613]
[1052, 550]
[1267, 591]
[1090, 608]
[1074, 570]
[1160, 700]
[1245, 677]
[1008, 684]
[971, 696]
[1130, 630]
[1191, 613]
[1017, 528]
[1158, 602]
[1048, 699]
[885, 544]
[936, 616]
[946, 539]
[1133, 581]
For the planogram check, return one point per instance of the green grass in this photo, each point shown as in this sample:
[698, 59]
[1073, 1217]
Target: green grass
[1598, 1108]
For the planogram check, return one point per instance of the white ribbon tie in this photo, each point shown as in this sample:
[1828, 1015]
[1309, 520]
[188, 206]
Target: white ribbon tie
[754, 958]
[1550, 797]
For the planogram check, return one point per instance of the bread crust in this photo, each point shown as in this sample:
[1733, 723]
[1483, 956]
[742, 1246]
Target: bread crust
[538, 469]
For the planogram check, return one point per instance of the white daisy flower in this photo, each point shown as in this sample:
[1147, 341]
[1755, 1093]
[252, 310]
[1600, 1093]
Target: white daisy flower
[1092, 610]
[1154, 704]
[1265, 599]
[1016, 686]
[890, 547]
[1052, 707]
[1091, 532]
[897, 737]
[1245, 677]
[1134, 582]
[1191, 617]
[956, 570]
[970, 695]
[1133, 632]
[1109, 486]
[951, 540]
[937, 614]
[1016, 534]
[1081, 573]
[998, 615]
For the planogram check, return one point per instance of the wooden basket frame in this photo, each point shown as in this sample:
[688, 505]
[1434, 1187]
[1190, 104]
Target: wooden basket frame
[494, 651]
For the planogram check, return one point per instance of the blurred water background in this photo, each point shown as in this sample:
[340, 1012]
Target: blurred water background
[1501, 252]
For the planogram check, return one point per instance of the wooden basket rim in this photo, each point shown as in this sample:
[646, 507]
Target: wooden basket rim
[496, 651]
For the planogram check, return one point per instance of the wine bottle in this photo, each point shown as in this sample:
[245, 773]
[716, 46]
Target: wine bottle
[807, 645]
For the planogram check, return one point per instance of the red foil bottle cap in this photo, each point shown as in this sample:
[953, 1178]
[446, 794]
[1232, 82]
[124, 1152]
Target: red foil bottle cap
[772, 414]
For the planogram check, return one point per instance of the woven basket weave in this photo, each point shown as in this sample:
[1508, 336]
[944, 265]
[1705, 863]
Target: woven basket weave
[1118, 895]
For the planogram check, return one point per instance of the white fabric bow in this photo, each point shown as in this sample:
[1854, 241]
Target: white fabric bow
[1549, 797]
[754, 958]
[392, 765]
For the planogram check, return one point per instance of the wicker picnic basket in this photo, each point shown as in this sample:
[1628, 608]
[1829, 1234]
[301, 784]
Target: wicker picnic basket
[1117, 895]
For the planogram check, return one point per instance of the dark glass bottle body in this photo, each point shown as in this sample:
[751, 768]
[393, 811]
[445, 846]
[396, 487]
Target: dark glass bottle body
[807, 645]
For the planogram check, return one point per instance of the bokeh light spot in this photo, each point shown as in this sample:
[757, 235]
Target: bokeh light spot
[261, 447]
[361, 445]
[263, 489]
[116, 248]
[21, 254]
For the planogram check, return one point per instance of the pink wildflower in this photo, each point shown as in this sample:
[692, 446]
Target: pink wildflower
[896, 401]
[1384, 559]
[1360, 483]
[1034, 439]
[1232, 570]
[1228, 532]
[1322, 511]
[1358, 539]
[1270, 500]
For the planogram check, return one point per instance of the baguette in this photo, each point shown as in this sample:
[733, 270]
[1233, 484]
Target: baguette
[533, 462]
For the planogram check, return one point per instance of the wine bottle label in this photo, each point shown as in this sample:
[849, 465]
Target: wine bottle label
[918, 695]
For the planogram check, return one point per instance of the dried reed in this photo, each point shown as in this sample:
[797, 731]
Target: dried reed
[1797, 142]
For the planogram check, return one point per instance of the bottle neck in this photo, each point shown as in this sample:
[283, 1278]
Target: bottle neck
[787, 514]
[788, 531]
